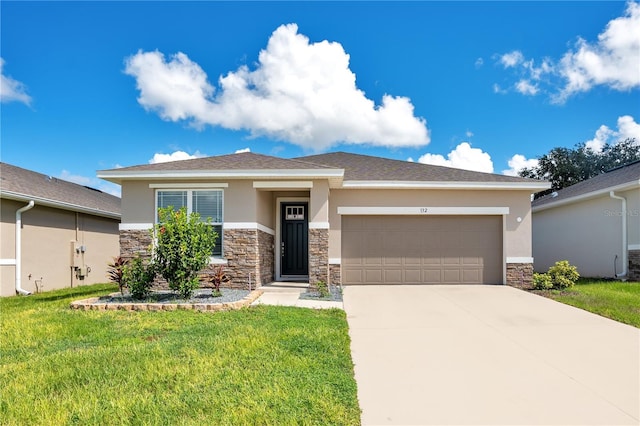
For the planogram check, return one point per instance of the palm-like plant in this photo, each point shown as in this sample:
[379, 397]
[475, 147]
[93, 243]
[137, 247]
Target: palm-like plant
[114, 271]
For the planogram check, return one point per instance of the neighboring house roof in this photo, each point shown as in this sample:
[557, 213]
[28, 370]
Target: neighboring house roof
[618, 179]
[24, 185]
[343, 169]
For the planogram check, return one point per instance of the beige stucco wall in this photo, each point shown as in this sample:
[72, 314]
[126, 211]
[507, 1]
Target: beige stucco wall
[46, 246]
[517, 238]
[138, 201]
[588, 234]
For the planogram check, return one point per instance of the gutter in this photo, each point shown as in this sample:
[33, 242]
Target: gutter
[10, 195]
[625, 261]
[19, 289]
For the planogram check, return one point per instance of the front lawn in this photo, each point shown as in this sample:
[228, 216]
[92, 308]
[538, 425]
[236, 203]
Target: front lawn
[259, 365]
[619, 301]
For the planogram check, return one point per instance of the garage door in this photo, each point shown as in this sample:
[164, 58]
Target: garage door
[421, 249]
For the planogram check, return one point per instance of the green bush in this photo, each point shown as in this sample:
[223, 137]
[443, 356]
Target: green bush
[563, 274]
[542, 281]
[138, 277]
[560, 276]
[184, 245]
[323, 289]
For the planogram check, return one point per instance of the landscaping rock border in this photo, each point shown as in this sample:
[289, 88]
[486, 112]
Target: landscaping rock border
[94, 304]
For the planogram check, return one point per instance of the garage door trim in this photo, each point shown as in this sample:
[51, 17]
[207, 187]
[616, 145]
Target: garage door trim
[424, 210]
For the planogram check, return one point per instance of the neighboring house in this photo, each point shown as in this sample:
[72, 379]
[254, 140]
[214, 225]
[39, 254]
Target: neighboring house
[66, 233]
[594, 224]
[340, 218]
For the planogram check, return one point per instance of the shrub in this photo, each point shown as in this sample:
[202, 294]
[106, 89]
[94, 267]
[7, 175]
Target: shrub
[563, 274]
[542, 281]
[184, 246]
[138, 277]
[114, 272]
[323, 289]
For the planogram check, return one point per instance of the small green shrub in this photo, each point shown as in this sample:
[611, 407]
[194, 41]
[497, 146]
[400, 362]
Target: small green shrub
[323, 289]
[563, 274]
[138, 277]
[542, 281]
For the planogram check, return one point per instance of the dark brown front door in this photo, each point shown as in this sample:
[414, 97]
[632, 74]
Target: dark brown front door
[294, 246]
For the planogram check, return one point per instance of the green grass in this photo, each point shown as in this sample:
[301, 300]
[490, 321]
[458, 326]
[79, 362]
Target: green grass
[259, 365]
[619, 301]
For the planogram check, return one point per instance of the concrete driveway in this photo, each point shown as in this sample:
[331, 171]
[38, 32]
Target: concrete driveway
[488, 355]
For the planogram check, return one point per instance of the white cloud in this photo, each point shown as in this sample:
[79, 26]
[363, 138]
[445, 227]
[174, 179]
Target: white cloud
[174, 156]
[526, 88]
[627, 128]
[469, 133]
[498, 89]
[517, 163]
[92, 182]
[300, 92]
[240, 151]
[610, 61]
[511, 59]
[12, 90]
[462, 157]
[479, 63]
[613, 60]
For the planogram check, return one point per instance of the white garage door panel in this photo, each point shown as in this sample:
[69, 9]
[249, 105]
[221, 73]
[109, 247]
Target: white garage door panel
[418, 249]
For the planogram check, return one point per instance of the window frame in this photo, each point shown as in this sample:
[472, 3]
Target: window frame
[190, 191]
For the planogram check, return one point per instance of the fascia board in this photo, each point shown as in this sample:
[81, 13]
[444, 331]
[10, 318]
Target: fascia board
[59, 204]
[118, 176]
[360, 184]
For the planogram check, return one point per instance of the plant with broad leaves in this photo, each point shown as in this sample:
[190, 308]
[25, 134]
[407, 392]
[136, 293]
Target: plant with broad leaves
[114, 271]
[184, 244]
[215, 280]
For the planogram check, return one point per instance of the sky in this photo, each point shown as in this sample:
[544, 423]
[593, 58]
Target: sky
[486, 86]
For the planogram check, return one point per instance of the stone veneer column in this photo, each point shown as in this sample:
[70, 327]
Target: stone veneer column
[520, 275]
[266, 246]
[335, 277]
[240, 249]
[634, 265]
[318, 256]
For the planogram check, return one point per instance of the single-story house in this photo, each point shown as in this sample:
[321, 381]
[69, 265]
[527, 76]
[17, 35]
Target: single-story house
[55, 233]
[594, 224]
[340, 218]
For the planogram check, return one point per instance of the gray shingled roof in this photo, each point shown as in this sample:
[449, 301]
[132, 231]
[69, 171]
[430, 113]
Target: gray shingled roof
[628, 174]
[240, 161]
[16, 182]
[360, 167]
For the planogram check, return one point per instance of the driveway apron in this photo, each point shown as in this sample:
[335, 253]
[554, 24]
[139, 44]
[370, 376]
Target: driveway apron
[488, 355]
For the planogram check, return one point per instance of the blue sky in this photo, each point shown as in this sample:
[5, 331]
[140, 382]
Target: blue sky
[481, 85]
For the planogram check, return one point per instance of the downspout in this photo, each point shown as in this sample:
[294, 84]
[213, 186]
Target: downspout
[625, 261]
[19, 212]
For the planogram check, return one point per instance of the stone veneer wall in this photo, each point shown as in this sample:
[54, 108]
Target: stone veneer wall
[135, 243]
[520, 275]
[634, 265]
[318, 256]
[334, 275]
[249, 252]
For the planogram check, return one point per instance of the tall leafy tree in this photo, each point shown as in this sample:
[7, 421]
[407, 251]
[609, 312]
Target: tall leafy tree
[567, 166]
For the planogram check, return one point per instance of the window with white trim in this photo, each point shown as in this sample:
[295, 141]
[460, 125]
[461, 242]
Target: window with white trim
[206, 202]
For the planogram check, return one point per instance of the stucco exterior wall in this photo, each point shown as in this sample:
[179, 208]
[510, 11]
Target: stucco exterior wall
[46, 247]
[588, 234]
[517, 238]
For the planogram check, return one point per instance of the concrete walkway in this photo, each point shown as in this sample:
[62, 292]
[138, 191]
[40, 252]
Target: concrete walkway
[288, 294]
[488, 355]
